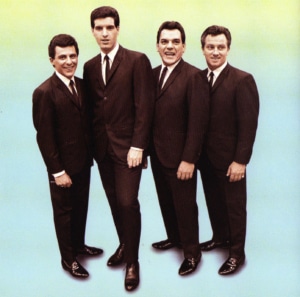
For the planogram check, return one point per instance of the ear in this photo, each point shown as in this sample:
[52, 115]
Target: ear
[52, 61]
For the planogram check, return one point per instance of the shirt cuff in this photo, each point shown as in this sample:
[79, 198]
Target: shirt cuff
[137, 149]
[58, 174]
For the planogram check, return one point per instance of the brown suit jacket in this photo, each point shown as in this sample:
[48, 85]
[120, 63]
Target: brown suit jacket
[181, 115]
[122, 110]
[233, 118]
[63, 129]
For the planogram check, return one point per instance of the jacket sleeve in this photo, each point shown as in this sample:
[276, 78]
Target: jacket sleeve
[44, 122]
[198, 116]
[247, 109]
[144, 99]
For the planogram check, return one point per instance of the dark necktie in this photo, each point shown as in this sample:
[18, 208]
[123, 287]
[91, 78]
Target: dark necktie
[75, 95]
[211, 80]
[107, 67]
[162, 78]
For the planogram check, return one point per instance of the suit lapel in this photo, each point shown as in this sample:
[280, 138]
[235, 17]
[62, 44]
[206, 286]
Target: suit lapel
[220, 79]
[79, 92]
[60, 85]
[171, 78]
[98, 71]
[118, 58]
[156, 72]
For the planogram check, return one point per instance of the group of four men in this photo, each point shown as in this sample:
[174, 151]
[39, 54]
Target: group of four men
[121, 112]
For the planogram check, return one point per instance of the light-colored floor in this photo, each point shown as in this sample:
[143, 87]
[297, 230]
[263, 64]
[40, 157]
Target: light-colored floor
[30, 261]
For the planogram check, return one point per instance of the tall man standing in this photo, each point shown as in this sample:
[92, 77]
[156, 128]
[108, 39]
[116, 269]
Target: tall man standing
[180, 120]
[63, 135]
[234, 107]
[121, 89]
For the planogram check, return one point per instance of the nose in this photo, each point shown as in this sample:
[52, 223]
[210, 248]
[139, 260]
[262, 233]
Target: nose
[170, 44]
[215, 51]
[69, 60]
[104, 32]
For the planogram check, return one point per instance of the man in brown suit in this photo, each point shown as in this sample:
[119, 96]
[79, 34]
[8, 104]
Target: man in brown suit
[234, 106]
[63, 134]
[121, 91]
[180, 120]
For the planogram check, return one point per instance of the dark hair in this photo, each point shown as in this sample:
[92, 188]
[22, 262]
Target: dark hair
[216, 30]
[62, 40]
[105, 12]
[171, 25]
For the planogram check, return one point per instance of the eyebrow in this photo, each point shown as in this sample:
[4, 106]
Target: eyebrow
[175, 39]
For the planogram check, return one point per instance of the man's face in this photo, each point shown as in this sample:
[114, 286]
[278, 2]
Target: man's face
[170, 46]
[215, 50]
[105, 33]
[65, 61]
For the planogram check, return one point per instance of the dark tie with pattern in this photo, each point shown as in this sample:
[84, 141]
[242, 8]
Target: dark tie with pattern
[75, 95]
[107, 67]
[211, 80]
[162, 77]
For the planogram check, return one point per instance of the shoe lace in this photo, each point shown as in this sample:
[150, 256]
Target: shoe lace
[232, 261]
[192, 261]
[75, 265]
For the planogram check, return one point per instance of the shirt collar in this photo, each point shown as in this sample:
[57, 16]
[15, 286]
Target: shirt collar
[171, 67]
[111, 54]
[217, 71]
[64, 79]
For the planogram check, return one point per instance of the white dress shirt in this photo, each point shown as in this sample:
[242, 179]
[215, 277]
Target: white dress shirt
[216, 72]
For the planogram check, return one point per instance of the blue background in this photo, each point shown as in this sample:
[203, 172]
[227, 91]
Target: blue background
[266, 43]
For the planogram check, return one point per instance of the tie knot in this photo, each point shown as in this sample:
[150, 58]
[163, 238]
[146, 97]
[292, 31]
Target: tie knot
[106, 58]
[164, 70]
[72, 85]
[211, 80]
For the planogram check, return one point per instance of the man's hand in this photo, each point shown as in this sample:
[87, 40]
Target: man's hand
[185, 170]
[134, 157]
[236, 171]
[63, 181]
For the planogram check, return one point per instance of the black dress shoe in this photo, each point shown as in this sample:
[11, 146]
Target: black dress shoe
[75, 269]
[189, 265]
[231, 265]
[211, 244]
[132, 277]
[90, 251]
[117, 258]
[165, 244]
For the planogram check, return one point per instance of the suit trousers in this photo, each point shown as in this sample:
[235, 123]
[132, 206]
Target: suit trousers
[177, 200]
[70, 206]
[226, 204]
[121, 185]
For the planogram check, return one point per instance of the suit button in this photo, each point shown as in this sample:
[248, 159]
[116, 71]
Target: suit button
[105, 98]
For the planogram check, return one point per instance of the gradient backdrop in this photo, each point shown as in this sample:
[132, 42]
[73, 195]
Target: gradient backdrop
[265, 43]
